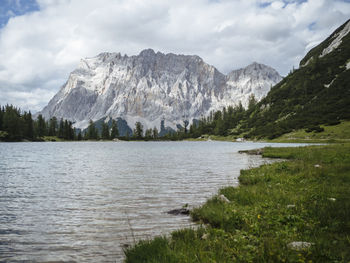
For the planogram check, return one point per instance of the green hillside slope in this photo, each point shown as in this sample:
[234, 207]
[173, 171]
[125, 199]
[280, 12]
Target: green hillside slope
[316, 93]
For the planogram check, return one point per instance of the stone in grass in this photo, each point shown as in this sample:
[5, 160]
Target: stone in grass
[299, 245]
[223, 198]
[205, 236]
[332, 199]
[317, 166]
[290, 206]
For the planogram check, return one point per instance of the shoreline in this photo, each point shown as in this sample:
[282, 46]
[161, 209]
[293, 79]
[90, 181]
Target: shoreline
[270, 216]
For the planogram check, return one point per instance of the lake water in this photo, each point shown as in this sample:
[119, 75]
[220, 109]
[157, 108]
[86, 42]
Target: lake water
[82, 201]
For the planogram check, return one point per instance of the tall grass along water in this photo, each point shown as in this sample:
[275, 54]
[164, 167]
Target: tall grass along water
[84, 201]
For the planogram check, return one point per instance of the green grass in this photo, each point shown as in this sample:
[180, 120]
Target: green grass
[274, 205]
[336, 133]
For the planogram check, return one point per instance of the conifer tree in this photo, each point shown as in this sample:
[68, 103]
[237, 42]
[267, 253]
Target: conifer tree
[13, 123]
[61, 129]
[66, 131]
[148, 134]
[114, 132]
[1, 115]
[105, 131]
[138, 131]
[53, 126]
[28, 126]
[155, 133]
[92, 131]
[79, 137]
[41, 126]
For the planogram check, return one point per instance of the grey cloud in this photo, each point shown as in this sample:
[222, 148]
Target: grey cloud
[39, 50]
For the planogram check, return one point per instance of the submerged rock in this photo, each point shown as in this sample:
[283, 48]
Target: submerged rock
[253, 152]
[181, 211]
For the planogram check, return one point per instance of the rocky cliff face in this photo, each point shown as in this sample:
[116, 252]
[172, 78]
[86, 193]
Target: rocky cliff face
[153, 86]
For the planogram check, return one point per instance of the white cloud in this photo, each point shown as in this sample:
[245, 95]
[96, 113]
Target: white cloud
[38, 50]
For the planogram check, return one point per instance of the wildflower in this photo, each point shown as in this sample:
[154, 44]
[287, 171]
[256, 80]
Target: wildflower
[259, 216]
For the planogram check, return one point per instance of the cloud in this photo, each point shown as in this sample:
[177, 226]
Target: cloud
[39, 49]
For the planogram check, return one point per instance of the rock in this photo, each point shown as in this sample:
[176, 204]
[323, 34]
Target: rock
[253, 152]
[299, 245]
[181, 211]
[223, 198]
[332, 199]
[125, 246]
[151, 87]
[317, 166]
[205, 236]
[290, 206]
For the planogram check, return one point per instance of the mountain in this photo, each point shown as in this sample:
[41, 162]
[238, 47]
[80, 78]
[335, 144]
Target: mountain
[152, 87]
[316, 93]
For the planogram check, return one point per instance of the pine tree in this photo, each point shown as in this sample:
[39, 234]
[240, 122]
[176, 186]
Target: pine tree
[138, 131]
[105, 131]
[80, 137]
[13, 123]
[148, 134]
[252, 102]
[61, 129]
[92, 133]
[28, 126]
[155, 133]
[66, 130]
[1, 116]
[185, 122]
[72, 131]
[114, 132]
[53, 126]
[40, 126]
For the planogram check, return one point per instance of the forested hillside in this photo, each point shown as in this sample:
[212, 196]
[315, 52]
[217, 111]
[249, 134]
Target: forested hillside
[316, 93]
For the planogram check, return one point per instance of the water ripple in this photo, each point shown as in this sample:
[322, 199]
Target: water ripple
[82, 201]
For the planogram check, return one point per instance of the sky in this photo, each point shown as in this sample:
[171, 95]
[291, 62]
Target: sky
[42, 41]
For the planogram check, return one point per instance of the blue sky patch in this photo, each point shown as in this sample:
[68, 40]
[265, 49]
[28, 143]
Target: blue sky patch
[11, 8]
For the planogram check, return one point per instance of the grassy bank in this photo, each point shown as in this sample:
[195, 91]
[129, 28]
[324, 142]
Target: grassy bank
[339, 133]
[330, 134]
[304, 199]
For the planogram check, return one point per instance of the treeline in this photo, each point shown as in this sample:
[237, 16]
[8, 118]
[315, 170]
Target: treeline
[313, 95]
[92, 133]
[107, 133]
[228, 121]
[16, 125]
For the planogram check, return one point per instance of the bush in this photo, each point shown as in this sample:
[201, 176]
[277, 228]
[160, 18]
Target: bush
[314, 129]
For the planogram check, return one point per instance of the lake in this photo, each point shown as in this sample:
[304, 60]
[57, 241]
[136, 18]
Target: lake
[83, 201]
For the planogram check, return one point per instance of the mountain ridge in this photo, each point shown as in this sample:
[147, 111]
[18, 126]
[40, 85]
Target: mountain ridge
[151, 87]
